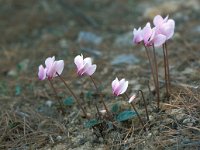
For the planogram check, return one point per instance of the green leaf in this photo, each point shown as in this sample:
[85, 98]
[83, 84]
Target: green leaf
[125, 115]
[91, 123]
[68, 101]
[18, 90]
[115, 108]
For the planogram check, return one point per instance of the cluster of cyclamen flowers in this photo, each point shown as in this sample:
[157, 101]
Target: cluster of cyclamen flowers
[84, 67]
[157, 36]
[150, 37]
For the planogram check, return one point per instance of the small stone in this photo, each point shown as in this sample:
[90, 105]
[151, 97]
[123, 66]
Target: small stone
[59, 138]
[151, 118]
[125, 59]
[48, 103]
[89, 37]
[149, 136]
[12, 73]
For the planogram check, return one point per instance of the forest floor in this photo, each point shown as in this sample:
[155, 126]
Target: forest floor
[33, 30]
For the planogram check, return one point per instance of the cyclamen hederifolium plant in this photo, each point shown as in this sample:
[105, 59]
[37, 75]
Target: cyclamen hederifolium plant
[108, 117]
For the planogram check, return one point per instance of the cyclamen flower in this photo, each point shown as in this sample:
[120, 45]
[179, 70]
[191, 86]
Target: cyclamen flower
[151, 37]
[164, 26]
[119, 87]
[137, 35]
[51, 69]
[84, 66]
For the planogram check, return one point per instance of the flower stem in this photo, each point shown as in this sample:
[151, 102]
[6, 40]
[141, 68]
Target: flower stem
[62, 109]
[151, 65]
[157, 82]
[135, 111]
[67, 86]
[166, 74]
[101, 96]
[167, 64]
[145, 104]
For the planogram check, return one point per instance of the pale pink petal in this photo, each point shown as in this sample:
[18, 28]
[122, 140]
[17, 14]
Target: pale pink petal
[88, 60]
[115, 84]
[158, 20]
[51, 71]
[82, 70]
[49, 61]
[146, 33]
[78, 60]
[59, 66]
[119, 88]
[137, 36]
[90, 70]
[124, 87]
[42, 72]
[169, 30]
[159, 40]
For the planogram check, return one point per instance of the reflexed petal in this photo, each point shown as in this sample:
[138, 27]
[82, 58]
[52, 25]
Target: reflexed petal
[87, 60]
[169, 30]
[124, 87]
[146, 33]
[159, 40]
[137, 35]
[59, 66]
[158, 20]
[42, 72]
[78, 60]
[82, 70]
[91, 69]
[119, 88]
[51, 71]
[115, 84]
[49, 61]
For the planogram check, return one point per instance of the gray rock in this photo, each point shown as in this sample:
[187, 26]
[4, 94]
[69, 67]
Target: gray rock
[125, 59]
[89, 37]
[124, 40]
[12, 72]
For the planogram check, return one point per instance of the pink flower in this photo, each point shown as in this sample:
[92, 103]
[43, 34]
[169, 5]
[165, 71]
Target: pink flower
[52, 68]
[84, 66]
[137, 35]
[132, 98]
[119, 87]
[42, 73]
[164, 26]
[151, 37]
